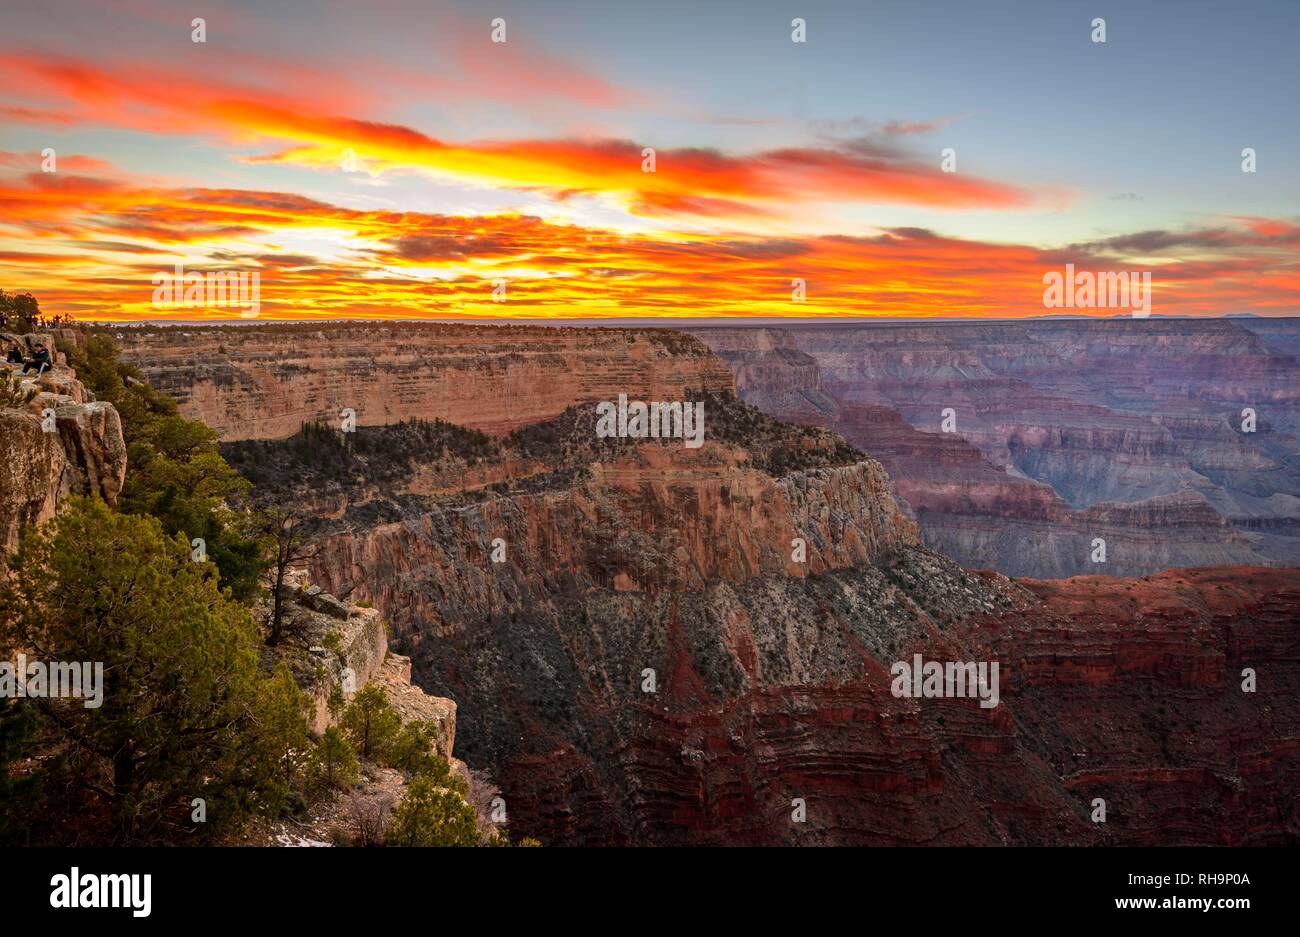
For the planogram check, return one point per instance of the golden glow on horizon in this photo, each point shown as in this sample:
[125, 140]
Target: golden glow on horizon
[707, 234]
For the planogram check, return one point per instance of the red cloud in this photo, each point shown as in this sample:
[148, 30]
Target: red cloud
[687, 182]
[93, 233]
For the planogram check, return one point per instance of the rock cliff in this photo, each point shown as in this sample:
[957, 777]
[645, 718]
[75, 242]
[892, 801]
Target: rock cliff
[1060, 430]
[648, 664]
[334, 644]
[265, 381]
[56, 441]
[330, 645]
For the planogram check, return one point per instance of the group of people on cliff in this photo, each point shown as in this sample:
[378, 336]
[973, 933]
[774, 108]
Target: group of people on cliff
[39, 362]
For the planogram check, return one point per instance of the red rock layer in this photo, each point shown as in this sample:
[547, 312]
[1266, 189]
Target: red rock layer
[1120, 690]
[772, 680]
[265, 381]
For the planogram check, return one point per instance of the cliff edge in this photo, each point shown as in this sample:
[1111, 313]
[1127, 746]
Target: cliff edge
[56, 441]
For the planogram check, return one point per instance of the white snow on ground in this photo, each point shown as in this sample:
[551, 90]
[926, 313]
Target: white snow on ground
[293, 839]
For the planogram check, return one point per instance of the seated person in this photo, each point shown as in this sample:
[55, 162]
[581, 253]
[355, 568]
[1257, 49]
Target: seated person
[14, 354]
[39, 362]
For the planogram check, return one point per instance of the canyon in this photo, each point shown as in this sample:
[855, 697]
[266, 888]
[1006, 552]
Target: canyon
[1017, 444]
[649, 644]
[1064, 431]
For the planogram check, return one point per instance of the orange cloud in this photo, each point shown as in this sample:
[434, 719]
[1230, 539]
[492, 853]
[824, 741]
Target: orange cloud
[686, 183]
[90, 247]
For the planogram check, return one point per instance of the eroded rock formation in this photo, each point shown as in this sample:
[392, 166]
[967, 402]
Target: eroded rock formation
[336, 645]
[771, 678]
[650, 644]
[1063, 431]
[56, 441]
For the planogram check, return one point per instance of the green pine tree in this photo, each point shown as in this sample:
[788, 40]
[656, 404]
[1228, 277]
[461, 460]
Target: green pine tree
[182, 698]
[334, 763]
[371, 724]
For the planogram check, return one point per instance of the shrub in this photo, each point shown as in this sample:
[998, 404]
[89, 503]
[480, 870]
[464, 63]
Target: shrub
[431, 815]
[369, 817]
[414, 748]
[12, 393]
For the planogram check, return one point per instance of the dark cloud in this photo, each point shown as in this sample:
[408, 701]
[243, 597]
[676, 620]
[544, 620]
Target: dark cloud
[427, 247]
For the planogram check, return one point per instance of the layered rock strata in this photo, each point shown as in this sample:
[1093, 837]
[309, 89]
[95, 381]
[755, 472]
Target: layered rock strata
[651, 644]
[265, 381]
[1126, 430]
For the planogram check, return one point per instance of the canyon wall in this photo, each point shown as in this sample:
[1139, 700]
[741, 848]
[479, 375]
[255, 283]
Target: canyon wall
[1066, 432]
[649, 644]
[265, 381]
[1061, 432]
[648, 662]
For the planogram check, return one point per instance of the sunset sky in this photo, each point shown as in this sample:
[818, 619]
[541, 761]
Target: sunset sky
[521, 161]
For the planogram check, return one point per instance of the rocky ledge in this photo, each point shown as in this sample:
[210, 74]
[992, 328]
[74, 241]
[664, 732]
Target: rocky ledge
[334, 644]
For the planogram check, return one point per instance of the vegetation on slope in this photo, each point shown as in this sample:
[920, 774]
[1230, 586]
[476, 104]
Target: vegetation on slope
[373, 465]
[198, 731]
[175, 471]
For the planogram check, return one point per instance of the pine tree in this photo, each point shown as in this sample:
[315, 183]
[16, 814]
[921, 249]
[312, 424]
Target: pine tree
[334, 762]
[414, 749]
[371, 724]
[182, 699]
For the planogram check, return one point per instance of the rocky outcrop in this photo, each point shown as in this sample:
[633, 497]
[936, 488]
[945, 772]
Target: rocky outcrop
[413, 704]
[56, 441]
[335, 645]
[661, 519]
[265, 381]
[328, 644]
